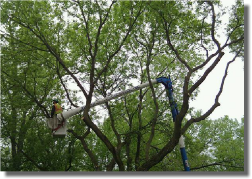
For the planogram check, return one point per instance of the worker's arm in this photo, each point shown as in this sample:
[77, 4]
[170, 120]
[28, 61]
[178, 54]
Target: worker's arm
[52, 111]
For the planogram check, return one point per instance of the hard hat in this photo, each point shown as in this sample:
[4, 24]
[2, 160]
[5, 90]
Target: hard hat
[55, 100]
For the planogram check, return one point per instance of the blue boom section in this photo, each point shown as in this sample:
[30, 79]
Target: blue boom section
[185, 160]
[174, 109]
[168, 86]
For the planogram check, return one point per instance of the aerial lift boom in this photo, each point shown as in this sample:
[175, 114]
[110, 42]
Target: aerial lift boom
[168, 86]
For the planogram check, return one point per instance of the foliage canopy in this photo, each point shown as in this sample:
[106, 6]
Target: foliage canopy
[105, 47]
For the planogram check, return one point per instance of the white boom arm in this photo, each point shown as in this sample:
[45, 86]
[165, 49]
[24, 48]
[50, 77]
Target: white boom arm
[72, 112]
[165, 81]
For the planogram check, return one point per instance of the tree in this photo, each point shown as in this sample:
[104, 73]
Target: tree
[211, 138]
[102, 47]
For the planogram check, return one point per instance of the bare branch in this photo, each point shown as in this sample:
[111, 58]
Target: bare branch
[213, 25]
[196, 85]
[216, 103]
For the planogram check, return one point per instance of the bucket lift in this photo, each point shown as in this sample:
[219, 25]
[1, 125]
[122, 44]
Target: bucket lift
[58, 125]
[61, 130]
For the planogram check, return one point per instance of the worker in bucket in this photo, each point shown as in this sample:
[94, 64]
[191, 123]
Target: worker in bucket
[54, 122]
[56, 108]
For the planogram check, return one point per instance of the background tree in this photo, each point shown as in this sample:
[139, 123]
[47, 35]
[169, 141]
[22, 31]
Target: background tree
[104, 47]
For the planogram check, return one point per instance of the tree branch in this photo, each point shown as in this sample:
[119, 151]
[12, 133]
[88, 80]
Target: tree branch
[91, 155]
[216, 103]
[207, 72]
[66, 90]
